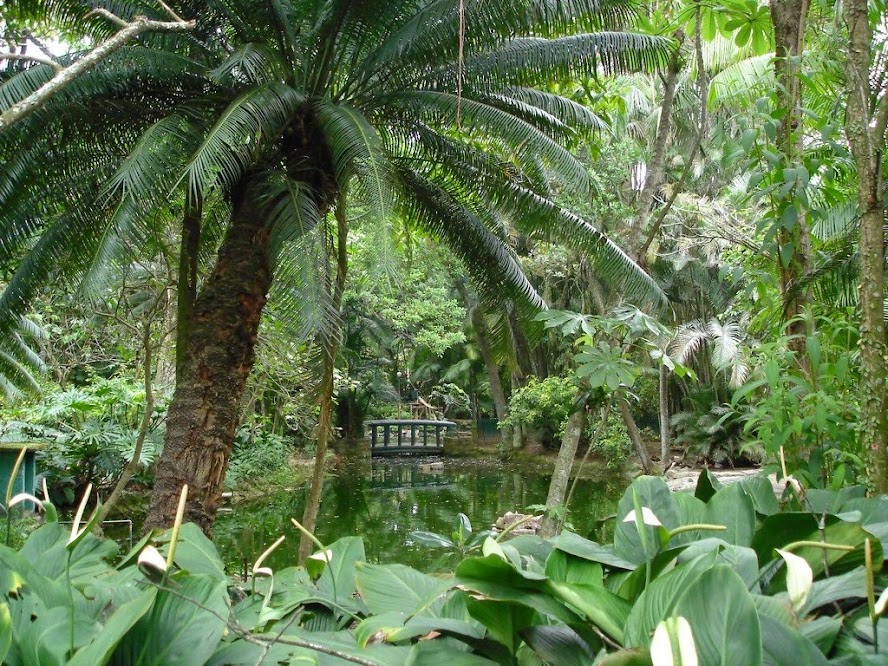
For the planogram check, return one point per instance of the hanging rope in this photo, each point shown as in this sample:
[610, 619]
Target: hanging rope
[459, 62]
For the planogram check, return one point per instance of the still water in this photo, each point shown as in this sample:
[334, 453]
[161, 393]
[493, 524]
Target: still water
[384, 500]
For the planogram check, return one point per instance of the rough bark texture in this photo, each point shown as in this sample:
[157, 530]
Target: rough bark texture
[325, 426]
[794, 245]
[866, 135]
[203, 415]
[563, 465]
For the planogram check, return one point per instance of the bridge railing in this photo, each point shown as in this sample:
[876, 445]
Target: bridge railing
[408, 435]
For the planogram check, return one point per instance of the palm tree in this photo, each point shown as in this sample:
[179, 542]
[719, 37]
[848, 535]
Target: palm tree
[268, 122]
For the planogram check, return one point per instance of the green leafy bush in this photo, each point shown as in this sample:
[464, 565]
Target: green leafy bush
[92, 431]
[253, 456]
[543, 406]
[613, 446]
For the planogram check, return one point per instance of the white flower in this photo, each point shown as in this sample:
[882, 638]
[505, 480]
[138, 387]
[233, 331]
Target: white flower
[151, 562]
[647, 517]
[882, 603]
[673, 631]
[799, 579]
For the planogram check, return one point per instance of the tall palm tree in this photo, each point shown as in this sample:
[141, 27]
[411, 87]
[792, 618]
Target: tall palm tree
[270, 120]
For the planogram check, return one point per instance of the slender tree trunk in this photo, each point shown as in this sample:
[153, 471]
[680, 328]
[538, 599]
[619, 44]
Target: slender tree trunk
[133, 464]
[203, 415]
[634, 435]
[573, 431]
[187, 278]
[325, 425]
[665, 434]
[866, 134]
[656, 167]
[794, 245]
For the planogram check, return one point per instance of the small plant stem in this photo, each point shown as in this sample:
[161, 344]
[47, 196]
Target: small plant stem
[323, 549]
[9, 488]
[70, 597]
[696, 526]
[599, 431]
[177, 525]
[871, 592]
[795, 545]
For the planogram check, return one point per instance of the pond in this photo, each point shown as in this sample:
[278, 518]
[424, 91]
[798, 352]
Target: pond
[384, 500]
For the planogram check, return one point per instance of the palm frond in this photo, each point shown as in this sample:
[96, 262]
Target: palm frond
[689, 339]
[227, 151]
[250, 64]
[358, 152]
[443, 109]
[533, 61]
[742, 82]
[725, 342]
[485, 256]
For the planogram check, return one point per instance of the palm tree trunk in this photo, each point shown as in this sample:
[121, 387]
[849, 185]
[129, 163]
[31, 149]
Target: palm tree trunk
[563, 465]
[203, 415]
[325, 430]
[866, 134]
[187, 277]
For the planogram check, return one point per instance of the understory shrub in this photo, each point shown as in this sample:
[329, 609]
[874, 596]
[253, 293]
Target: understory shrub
[613, 446]
[263, 454]
[542, 406]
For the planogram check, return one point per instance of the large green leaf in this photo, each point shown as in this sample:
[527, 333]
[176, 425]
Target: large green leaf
[397, 588]
[504, 620]
[589, 550]
[723, 619]
[5, 631]
[601, 607]
[347, 553]
[762, 494]
[657, 602]
[562, 567]
[99, 651]
[558, 645]
[195, 553]
[646, 492]
[779, 530]
[181, 628]
[783, 645]
[707, 486]
[438, 653]
[732, 507]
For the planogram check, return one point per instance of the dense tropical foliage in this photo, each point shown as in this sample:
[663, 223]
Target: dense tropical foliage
[598, 235]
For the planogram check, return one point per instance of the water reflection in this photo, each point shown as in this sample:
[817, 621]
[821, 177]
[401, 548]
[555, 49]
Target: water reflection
[384, 500]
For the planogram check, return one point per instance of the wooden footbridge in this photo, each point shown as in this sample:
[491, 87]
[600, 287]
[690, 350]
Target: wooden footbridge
[397, 436]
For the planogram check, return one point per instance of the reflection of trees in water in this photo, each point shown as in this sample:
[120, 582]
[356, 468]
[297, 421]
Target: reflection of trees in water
[383, 501]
